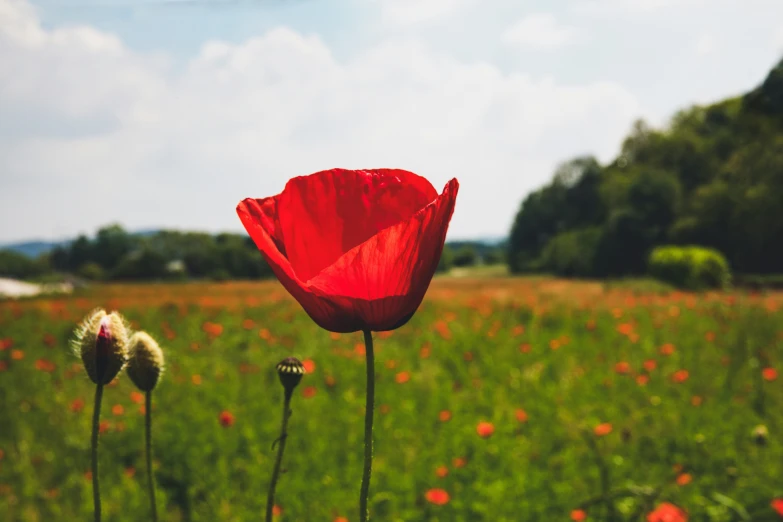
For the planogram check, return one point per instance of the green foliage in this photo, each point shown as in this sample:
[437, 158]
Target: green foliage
[115, 254]
[465, 256]
[694, 268]
[713, 178]
[15, 265]
[446, 261]
[573, 254]
[539, 469]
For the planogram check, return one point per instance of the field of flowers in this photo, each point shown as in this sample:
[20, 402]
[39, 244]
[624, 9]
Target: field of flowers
[501, 400]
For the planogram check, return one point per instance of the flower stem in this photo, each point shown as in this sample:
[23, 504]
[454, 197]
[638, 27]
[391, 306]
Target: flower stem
[148, 444]
[364, 513]
[96, 416]
[270, 499]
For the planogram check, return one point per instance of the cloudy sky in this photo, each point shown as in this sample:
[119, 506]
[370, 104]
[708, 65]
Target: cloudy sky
[167, 113]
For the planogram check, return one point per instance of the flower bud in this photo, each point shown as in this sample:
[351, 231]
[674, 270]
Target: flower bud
[146, 361]
[101, 340]
[760, 435]
[290, 371]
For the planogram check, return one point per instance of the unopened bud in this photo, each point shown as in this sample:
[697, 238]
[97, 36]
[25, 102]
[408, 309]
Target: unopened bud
[101, 340]
[146, 361]
[760, 435]
[290, 371]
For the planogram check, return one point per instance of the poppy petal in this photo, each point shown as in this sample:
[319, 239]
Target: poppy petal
[259, 219]
[385, 278]
[324, 215]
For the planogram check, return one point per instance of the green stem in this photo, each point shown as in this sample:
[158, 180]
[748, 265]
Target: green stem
[364, 513]
[148, 444]
[270, 499]
[96, 416]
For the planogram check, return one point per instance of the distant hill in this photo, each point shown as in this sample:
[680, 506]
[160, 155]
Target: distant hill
[33, 248]
[36, 248]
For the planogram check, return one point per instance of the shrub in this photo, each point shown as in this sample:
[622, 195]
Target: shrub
[690, 267]
[572, 254]
[465, 256]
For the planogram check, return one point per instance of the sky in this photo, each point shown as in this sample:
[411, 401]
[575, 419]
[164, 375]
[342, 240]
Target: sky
[167, 113]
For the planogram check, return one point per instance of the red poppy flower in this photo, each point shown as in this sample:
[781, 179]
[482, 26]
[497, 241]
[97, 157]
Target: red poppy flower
[777, 505]
[357, 249]
[667, 513]
[485, 429]
[437, 496]
[578, 515]
[226, 419]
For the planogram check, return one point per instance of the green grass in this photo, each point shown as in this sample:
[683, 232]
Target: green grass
[489, 353]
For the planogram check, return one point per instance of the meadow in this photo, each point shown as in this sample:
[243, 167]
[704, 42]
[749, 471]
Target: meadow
[503, 399]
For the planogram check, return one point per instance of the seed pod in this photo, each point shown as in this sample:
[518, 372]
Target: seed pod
[146, 361]
[290, 371]
[101, 340]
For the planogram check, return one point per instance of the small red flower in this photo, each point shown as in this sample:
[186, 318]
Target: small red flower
[137, 397]
[680, 376]
[777, 505]
[441, 471]
[226, 419]
[437, 496]
[485, 429]
[521, 415]
[309, 392]
[603, 429]
[667, 513]
[356, 248]
[77, 405]
[622, 368]
[578, 515]
[402, 377]
[769, 374]
[684, 479]
[309, 365]
[444, 416]
[650, 365]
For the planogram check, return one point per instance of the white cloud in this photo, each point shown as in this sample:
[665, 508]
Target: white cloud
[406, 12]
[614, 7]
[705, 45]
[92, 132]
[539, 31]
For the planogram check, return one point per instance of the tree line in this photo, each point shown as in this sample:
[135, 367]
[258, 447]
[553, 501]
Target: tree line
[115, 254]
[713, 178]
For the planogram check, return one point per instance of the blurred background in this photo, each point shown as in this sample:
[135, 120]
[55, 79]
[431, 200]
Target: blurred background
[602, 339]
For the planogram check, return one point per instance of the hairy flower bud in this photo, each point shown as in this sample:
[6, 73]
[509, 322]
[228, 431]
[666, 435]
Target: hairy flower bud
[101, 340]
[146, 361]
[290, 370]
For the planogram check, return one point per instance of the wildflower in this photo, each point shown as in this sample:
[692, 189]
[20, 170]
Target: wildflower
[667, 513]
[437, 496]
[485, 429]
[603, 429]
[226, 419]
[578, 515]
